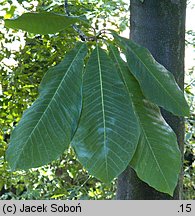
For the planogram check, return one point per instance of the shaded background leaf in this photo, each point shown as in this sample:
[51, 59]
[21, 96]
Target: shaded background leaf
[42, 23]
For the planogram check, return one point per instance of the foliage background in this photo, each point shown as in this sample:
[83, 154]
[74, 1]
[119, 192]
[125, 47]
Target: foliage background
[24, 59]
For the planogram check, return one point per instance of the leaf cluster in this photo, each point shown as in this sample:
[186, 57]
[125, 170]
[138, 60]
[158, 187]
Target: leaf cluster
[106, 108]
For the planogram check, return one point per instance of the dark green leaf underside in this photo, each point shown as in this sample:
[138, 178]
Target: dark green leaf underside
[157, 83]
[157, 159]
[108, 132]
[47, 127]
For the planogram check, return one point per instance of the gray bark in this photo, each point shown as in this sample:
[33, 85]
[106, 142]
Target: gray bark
[159, 26]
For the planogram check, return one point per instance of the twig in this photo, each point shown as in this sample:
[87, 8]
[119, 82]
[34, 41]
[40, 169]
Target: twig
[75, 27]
[66, 7]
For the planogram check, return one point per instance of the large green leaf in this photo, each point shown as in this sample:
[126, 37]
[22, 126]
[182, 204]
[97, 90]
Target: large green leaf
[42, 23]
[108, 131]
[47, 127]
[157, 83]
[157, 159]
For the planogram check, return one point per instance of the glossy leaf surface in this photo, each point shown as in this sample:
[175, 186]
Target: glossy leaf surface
[47, 127]
[157, 160]
[42, 23]
[156, 82]
[108, 132]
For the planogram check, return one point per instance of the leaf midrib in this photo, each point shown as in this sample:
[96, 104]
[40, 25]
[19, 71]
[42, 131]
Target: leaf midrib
[103, 107]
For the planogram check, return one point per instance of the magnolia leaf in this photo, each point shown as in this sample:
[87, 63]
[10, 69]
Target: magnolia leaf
[156, 82]
[108, 131]
[42, 23]
[48, 126]
[157, 160]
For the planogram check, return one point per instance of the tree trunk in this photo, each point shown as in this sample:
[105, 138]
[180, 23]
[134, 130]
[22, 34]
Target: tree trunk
[159, 26]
